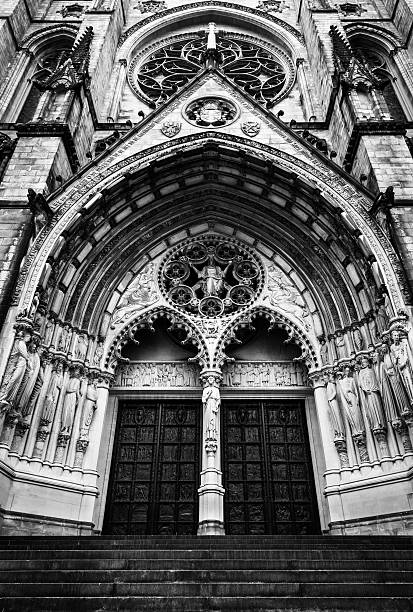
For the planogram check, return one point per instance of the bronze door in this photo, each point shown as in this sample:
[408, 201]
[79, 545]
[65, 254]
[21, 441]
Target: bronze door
[267, 469]
[154, 479]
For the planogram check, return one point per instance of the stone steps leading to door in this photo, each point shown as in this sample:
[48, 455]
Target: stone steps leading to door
[301, 574]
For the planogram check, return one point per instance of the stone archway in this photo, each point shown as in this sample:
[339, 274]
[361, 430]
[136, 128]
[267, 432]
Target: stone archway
[76, 299]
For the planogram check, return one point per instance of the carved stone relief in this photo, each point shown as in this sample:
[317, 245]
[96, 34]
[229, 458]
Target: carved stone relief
[264, 374]
[157, 375]
[142, 292]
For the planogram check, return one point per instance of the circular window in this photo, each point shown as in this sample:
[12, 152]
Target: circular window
[211, 277]
[267, 74]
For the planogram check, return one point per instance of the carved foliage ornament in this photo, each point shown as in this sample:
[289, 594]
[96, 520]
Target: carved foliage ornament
[260, 72]
[211, 277]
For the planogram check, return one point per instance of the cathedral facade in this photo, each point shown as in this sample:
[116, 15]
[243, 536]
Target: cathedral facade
[206, 274]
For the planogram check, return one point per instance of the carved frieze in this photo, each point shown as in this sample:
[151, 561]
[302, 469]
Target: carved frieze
[264, 374]
[157, 375]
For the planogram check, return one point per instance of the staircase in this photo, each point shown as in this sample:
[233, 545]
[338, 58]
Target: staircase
[303, 573]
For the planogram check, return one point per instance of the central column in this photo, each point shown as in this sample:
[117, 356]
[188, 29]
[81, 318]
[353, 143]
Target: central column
[211, 491]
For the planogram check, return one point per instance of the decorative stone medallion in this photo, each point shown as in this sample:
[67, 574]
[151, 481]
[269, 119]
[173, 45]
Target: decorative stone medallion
[171, 128]
[211, 112]
[251, 128]
[211, 277]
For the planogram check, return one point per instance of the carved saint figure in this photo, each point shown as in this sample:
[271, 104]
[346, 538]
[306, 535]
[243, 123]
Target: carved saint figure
[212, 278]
[64, 339]
[335, 412]
[211, 400]
[401, 358]
[350, 401]
[393, 392]
[370, 390]
[81, 347]
[70, 402]
[89, 408]
[52, 394]
[18, 363]
[32, 381]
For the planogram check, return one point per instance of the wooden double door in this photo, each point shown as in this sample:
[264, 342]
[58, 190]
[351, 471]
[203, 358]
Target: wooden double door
[266, 464]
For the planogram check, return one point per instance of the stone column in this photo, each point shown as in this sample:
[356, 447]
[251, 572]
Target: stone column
[211, 491]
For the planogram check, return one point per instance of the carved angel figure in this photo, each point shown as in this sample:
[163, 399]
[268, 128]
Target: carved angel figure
[285, 296]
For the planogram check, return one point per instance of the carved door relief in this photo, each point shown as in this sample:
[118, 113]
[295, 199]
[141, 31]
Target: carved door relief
[267, 469]
[155, 469]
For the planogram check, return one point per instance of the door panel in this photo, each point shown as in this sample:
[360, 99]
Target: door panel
[267, 469]
[155, 469]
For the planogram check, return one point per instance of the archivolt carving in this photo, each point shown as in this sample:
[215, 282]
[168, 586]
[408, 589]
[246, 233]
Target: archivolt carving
[71, 200]
[276, 320]
[183, 328]
[210, 3]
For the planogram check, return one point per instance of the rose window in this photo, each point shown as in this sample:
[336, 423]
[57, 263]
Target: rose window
[266, 74]
[210, 277]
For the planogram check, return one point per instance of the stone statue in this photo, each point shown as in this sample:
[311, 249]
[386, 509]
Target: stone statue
[89, 408]
[394, 394]
[352, 411]
[341, 345]
[324, 352]
[98, 354]
[358, 338]
[18, 363]
[70, 402]
[52, 394]
[64, 339]
[211, 400]
[401, 358]
[335, 412]
[81, 347]
[348, 393]
[33, 379]
[370, 392]
[212, 278]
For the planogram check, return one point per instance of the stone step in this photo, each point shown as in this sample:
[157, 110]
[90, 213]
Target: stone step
[212, 553]
[209, 589]
[224, 564]
[202, 575]
[201, 543]
[208, 604]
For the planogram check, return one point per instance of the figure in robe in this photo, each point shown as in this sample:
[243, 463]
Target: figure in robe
[52, 394]
[350, 401]
[17, 366]
[211, 400]
[335, 412]
[32, 381]
[370, 391]
[70, 402]
[395, 397]
[401, 358]
[89, 408]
